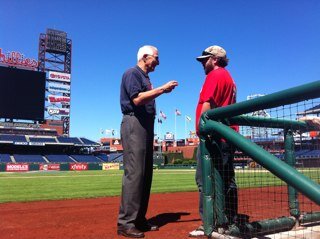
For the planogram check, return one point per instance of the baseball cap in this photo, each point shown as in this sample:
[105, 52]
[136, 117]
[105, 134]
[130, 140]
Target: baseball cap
[212, 51]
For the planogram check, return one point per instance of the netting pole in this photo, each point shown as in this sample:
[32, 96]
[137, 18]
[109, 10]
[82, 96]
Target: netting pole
[250, 230]
[214, 215]
[207, 190]
[310, 217]
[218, 182]
[291, 161]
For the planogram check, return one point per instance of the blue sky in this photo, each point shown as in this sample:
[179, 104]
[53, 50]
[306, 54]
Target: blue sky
[272, 45]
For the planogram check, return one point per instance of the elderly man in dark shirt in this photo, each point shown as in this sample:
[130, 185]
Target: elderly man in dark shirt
[137, 99]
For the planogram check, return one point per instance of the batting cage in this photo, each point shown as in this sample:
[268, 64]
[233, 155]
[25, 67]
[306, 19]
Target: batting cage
[261, 175]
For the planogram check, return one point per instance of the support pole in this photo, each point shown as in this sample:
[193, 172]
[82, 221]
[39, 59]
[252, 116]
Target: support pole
[291, 161]
[218, 182]
[264, 227]
[310, 217]
[207, 190]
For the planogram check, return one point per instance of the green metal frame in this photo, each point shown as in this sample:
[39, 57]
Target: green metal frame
[285, 97]
[212, 125]
[290, 159]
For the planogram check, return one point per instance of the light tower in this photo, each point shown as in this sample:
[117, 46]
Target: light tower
[55, 59]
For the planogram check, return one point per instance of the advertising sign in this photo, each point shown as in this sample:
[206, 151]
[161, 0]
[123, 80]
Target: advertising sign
[65, 100]
[36, 143]
[78, 166]
[16, 58]
[58, 111]
[21, 167]
[19, 124]
[109, 166]
[49, 167]
[20, 143]
[59, 76]
[60, 88]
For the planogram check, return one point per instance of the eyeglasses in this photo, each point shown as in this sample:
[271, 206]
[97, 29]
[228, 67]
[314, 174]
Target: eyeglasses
[155, 57]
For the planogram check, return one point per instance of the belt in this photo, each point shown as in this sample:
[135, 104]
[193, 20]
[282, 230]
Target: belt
[139, 115]
[129, 113]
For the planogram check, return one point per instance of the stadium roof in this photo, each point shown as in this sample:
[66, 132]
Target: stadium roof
[313, 110]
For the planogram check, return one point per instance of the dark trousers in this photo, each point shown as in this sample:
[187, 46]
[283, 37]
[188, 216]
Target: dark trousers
[225, 152]
[137, 141]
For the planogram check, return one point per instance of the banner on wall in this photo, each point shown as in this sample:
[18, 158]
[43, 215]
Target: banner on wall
[49, 167]
[59, 88]
[65, 100]
[20, 167]
[59, 76]
[78, 166]
[109, 166]
[58, 111]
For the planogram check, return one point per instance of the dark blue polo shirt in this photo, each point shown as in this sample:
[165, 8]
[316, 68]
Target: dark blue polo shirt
[134, 81]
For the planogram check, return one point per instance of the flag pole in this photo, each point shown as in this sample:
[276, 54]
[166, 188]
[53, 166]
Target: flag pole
[160, 142]
[158, 126]
[101, 134]
[185, 130]
[175, 129]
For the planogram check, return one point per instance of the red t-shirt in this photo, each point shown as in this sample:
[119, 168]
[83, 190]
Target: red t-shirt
[219, 89]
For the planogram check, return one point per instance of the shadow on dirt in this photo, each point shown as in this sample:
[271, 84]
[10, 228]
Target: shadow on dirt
[165, 218]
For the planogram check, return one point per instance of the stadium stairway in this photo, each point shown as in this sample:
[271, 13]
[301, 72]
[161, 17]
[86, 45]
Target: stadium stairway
[86, 158]
[45, 159]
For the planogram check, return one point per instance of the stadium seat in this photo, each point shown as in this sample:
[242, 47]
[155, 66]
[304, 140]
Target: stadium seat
[86, 158]
[59, 158]
[88, 142]
[103, 157]
[43, 139]
[116, 157]
[5, 158]
[28, 158]
[12, 138]
[69, 140]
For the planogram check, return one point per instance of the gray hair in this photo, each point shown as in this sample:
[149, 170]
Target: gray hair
[146, 50]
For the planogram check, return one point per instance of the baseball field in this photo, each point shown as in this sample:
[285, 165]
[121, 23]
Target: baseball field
[84, 204]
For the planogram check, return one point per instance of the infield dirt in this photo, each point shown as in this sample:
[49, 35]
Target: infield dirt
[175, 213]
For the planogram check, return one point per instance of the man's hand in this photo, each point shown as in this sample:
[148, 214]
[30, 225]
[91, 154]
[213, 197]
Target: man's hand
[145, 97]
[169, 86]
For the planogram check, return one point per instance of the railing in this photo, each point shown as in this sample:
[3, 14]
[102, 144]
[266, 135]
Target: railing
[213, 127]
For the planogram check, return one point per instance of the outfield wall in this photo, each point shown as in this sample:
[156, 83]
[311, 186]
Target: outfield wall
[26, 167]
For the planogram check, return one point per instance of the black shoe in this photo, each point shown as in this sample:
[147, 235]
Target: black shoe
[148, 227]
[131, 232]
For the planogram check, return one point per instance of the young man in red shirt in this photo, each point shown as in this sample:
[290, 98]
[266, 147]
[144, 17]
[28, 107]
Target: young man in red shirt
[218, 90]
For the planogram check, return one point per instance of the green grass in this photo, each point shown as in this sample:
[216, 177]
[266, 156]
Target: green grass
[33, 186]
[264, 178]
